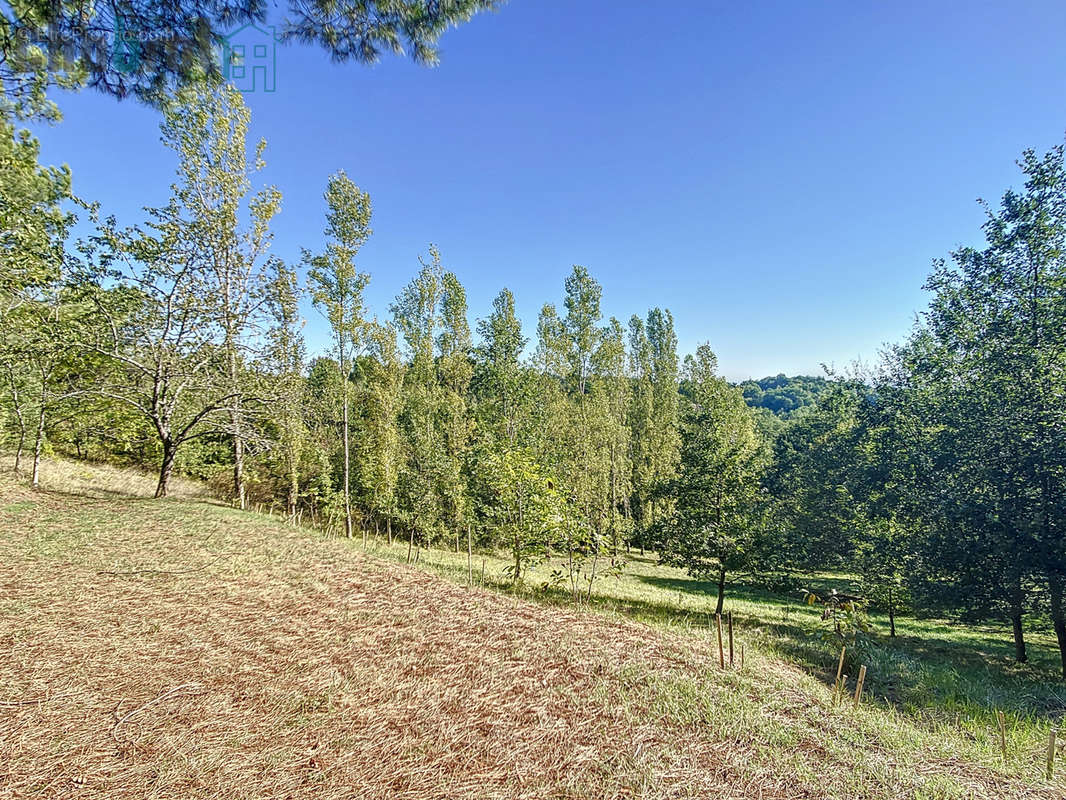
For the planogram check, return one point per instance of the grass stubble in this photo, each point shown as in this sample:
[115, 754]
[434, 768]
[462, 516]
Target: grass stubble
[181, 649]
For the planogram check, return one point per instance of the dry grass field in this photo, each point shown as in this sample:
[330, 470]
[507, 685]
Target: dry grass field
[179, 649]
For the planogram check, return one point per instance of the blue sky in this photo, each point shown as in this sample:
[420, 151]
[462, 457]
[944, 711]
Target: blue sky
[778, 174]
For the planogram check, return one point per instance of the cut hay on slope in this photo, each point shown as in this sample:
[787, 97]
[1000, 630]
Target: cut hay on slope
[162, 649]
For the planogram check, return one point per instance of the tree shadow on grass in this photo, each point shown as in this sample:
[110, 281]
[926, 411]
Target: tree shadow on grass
[925, 672]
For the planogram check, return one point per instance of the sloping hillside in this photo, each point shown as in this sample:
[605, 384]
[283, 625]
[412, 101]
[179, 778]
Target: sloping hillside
[178, 649]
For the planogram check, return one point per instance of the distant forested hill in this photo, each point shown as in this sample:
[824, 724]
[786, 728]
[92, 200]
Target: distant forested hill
[783, 395]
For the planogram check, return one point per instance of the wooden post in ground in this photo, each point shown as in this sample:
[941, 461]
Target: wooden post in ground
[1002, 734]
[731, 638]
[1051, 753]
[721, 652]
[838, 688]
[469, 559]
[742, 656]
[858, 686]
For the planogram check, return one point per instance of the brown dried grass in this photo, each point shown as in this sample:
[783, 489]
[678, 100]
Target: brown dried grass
[171, 650]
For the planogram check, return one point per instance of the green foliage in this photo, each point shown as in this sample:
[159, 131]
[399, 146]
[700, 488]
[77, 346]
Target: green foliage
[718, 493]
[784, 396]
[937, 480]
[520, 506]
[33, 219]
[844, 623]
[115, 57]
[337, 290]
[980, 386]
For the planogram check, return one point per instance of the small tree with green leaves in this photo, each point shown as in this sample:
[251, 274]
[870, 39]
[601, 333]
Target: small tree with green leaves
[718, 493]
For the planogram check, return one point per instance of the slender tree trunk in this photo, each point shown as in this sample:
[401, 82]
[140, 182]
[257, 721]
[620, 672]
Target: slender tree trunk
[294, 490]
[1019, 634]
[721, 590]
[891, 614]
[1057, 618]
[21, 445]
[1019, 638]
[166, 469]
[238, 470]
[347, 462]
[38, 444]
[517, 560]
[235, 410]
[648, 522]
[16, 404]
[388, 528]
[410, 545]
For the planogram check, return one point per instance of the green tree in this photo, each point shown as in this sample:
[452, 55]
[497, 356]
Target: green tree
[34, 226]
[454, 370]
[813, 480]
[113, 56]
[714, 525]
[380, 379]
[521, 505]
[337, 290]
[614, 384]
[641, 424]
[664, 430]
[207, 128]
[33, 220]
[582, 402]
[180, 303]
[987, 366]
[285, 357]
[502, 386]
[429, 490]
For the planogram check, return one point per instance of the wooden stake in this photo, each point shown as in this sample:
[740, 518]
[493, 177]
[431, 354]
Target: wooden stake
[742, 656]
[721, 652]
[843, 685]
[469, 559]
[1002, 734]
[1051, 753]
[858, 686]
[838, 688]
[730, 638]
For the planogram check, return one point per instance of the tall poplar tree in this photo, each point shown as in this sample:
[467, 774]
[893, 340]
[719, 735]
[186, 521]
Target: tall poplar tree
[285, 359]
[381, 372]
[337, 290]
[417, 315]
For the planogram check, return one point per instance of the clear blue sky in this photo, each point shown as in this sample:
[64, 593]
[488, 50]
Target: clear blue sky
[778, 174]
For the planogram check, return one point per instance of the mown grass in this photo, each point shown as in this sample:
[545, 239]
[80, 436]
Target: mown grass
[949, 678]
[391, 679]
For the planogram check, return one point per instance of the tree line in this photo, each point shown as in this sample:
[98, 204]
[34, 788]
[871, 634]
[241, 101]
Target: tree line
[936, 477]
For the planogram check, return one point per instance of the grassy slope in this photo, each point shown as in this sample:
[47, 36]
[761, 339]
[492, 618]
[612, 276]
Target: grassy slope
[936, 671]
[179, 649]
